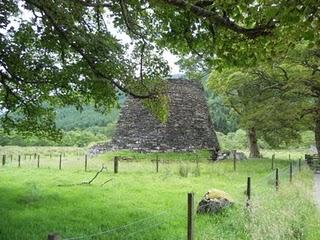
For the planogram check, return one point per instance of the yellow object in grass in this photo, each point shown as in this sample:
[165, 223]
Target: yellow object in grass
[218, 194]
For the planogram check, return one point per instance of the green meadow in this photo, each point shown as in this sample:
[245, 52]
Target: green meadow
[139, 203]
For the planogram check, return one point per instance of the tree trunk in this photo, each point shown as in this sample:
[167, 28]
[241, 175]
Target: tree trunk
[253, 143]
[317, 131]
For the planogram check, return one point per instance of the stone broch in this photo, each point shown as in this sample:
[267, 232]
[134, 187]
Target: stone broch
[189, 126]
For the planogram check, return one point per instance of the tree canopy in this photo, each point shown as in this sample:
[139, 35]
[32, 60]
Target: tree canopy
[279, 99]
[58, 52]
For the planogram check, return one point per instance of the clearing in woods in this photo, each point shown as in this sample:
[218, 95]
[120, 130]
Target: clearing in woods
[138, 203]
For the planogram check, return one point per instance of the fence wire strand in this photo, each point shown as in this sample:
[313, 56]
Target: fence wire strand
[126, 226]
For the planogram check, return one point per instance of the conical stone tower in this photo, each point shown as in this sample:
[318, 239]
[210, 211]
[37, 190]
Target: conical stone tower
[189, 126]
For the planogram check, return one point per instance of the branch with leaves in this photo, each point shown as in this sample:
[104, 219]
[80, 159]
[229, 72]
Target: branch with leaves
[200, 9]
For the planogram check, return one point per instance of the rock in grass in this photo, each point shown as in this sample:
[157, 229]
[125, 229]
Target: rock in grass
[214, 201]
[229, 155]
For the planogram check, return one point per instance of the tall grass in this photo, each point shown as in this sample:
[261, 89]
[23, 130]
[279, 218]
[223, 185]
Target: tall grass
[139, 203]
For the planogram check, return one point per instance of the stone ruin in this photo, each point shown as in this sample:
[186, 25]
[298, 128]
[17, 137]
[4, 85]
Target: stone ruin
[188, 128]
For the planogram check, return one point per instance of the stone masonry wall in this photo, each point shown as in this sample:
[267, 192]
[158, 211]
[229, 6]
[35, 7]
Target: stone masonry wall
[188, 127]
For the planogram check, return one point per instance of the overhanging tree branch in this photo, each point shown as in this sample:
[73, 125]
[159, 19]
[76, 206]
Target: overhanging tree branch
[89, 3]
[64, 34]
[204, 3]
[213, 17]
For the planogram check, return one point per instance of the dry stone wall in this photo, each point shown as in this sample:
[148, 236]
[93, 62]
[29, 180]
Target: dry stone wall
[189, 126]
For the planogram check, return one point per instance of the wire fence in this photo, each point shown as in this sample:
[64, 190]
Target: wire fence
[168, 216]
[80, 161]
[162, 218]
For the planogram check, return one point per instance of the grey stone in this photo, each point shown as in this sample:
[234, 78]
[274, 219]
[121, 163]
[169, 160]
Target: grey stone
[189, 126]
[212, 206]
[313, 150]
[241, 156]
[229, 155]
[214, 201]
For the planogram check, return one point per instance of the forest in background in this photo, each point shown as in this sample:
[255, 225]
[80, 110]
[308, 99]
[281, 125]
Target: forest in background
[79, 128]
[86, 127]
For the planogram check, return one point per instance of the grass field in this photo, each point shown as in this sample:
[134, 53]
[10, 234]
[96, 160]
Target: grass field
[139, 203]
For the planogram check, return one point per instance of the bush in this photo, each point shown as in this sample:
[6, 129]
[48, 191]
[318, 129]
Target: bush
[233, 140]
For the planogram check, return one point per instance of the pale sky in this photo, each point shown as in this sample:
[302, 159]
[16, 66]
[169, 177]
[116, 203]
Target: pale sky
[124, 38]
[172, 59]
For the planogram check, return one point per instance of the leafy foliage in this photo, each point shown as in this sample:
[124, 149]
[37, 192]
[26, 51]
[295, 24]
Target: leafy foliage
[238, 140]
[279, 100]
[80, 138]
[223, 117]
[63, 52]
[78, 129]
[233, 140]
[68, 118]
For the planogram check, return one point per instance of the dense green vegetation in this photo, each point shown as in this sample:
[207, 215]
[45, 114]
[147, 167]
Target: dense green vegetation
[69, 118]
[275, 100]
[63, 53]
[239, 140]
[71, 57]
[79, 138]
[141, 204]
[263, 91]
[223, 118]
[79, 128]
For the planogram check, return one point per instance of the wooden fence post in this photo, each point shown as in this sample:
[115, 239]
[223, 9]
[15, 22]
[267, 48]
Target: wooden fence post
[300, 164]
[19, 161]
[116, 164]
[38, 163]
[234, 160]
[3, 160]
[60, 161]
[272, 161]
[190, 216]
[85, 162]
[53, 236]
[277, 179]
[290, 170]
[248, 191]
[157, 163]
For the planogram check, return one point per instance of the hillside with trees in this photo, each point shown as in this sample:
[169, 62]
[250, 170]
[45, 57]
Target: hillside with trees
[79, 128]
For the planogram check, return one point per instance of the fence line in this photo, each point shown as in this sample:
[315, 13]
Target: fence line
[122, 227]
[169, 216]
[151, 227]
[62, 161]
[283, 172]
